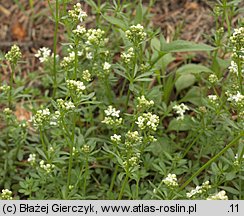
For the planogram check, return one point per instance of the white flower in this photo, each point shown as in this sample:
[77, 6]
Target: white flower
[233, 67]
[32, 158]
[47, 167]
[79, 31]
[77, 86]
[77, 14]
[144, 103]
[14, 54]
[86, 75]
[116, 138]
[180, 110]
[218, 196]
[65, 105]
[95, 37]
[148, 120]
[89, 55]
[127, 56]
[112, 116]
[41, 117]
[110, 111]
[199, 189]
[43, 54]
[136, 33]
[170, 180]
[236, 98]
[6, 194]
[106, 66]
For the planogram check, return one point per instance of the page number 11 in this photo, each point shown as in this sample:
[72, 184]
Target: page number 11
[233, 208]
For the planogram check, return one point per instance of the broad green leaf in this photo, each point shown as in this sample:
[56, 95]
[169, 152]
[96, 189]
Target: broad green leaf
[193, 96]
[230, 190]
[139, 14]
[184, 81]
[115, 21]
[193, 69]
[185, 46]
[180, 125]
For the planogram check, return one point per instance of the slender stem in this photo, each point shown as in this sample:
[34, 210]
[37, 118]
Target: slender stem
[123, 186]
[189, 146]
[12, 68]
[113, 178]
[55, 39]
[233, 142]
[85, 176]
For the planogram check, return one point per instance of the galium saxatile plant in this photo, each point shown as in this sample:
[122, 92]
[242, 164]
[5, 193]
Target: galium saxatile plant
[114, 122]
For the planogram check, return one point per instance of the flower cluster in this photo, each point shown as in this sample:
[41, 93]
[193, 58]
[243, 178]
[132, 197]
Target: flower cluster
[106, 67]
[43, 54]
[54, 121]
[5, 88]
[14, 54]
[95, 37]
[213, 99]
[237, 99]
[132, 162]
[170, 180]
[79, 31]
[218, 196]
[115, 138]
[199, 190]
[86, 149]
[6, 194]
[237, 38]
[143, 103]
[68, 60]
[127, 56]
[213, 79]
[132, 137]
[41, 118]
[77, 14]
[180, 110]
[65, 105]
[32, 159]
[86, 75]
[136, 34]
[148, 121]
[112, 116]
[76, 86]
[47, 167]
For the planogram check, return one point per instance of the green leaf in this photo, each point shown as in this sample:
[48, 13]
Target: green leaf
[180, 125]
[115, 21]
[185, 46]
[230, 190]
[193, 96]
[193, 69]
[184, 81]
[139, 15]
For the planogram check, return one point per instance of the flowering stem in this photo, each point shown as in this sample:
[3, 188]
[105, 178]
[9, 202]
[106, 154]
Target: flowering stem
[189, 146]
[85, 176]
[113, 178]
[12, 68]
[233, 142]
[123, 186]
[55, 50]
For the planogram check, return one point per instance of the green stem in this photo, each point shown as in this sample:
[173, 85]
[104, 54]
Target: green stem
[55, 50]
[113, 178]
[233, 142]
[190, 146]
[123, 186]
[12, 68]
[85, 177]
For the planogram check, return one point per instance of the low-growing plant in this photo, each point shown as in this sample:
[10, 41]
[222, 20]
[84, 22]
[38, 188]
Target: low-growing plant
[110, 120]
